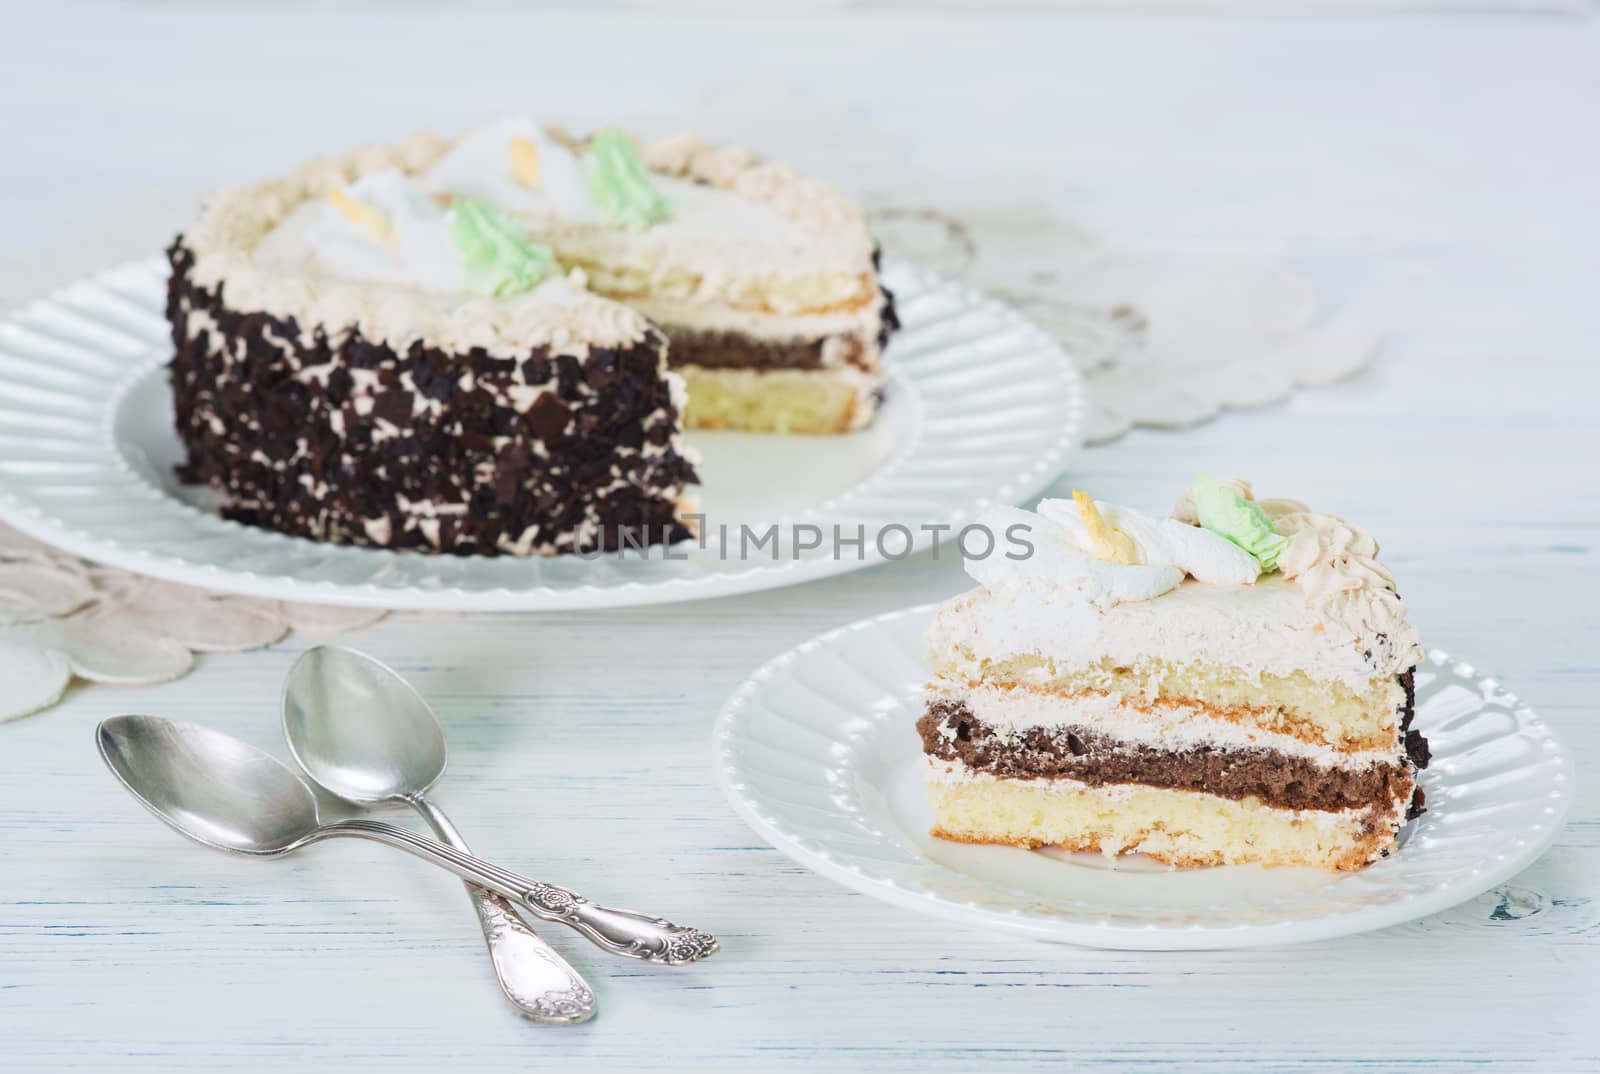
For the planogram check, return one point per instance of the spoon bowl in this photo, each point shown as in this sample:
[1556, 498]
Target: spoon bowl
[385, 742]
[362, 732]
[228, 795]
[211, 787]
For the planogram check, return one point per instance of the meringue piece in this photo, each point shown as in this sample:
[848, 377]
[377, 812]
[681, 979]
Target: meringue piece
[1047, 548]
[317, 241]
[483, 165]
[1207, 557]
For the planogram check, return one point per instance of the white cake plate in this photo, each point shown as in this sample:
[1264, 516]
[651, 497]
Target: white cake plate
[818, 753]
[983, 407]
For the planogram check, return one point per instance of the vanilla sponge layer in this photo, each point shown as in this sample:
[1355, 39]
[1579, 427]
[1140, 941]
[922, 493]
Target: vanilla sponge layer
[779, 400]
[1183, 828]
[1295, 704]
[769, 293]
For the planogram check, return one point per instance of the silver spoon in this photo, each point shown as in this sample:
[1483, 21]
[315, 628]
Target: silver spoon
[360, 731]
[226, 794]
[363, 734]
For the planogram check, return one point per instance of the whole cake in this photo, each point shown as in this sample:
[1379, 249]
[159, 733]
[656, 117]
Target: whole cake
[1230, 684]
[492, 344]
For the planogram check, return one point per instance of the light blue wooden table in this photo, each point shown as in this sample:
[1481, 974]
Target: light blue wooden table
[1436, 178]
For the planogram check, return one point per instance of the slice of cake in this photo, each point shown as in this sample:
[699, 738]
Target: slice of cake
[413, 347]
[1230, 684]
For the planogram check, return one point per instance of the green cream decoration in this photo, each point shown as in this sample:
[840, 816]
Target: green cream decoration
[499, 257]
[620, 183]
[1228, 514]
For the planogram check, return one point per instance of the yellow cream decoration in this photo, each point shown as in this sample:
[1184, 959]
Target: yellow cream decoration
[360, 213]
[525, 163]
[1111, 545]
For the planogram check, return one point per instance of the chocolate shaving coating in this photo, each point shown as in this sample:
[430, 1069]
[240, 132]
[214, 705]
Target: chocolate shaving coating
[307, 456]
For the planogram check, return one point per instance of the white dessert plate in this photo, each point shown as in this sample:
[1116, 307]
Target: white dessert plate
[818, 753]
[982, 407]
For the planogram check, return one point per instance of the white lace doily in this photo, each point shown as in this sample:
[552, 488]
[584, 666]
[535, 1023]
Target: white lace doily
[1162, 344]
[62, 618]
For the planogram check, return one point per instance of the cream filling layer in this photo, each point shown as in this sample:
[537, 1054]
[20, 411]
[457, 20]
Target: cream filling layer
[862, 384]
[1166, 725]
[863, 322]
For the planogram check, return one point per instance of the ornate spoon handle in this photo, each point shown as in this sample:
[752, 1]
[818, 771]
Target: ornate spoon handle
[537, 980]
[621, 932]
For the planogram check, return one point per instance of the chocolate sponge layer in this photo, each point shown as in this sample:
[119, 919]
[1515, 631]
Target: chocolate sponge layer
[734, 350]
[951, 732]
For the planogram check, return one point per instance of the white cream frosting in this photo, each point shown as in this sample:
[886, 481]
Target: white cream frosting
[1329, 611]
[226, 237]
[860, 322]
[713, 231]
[479, 165]
[1267, 628]
[281, 249]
